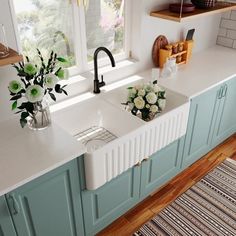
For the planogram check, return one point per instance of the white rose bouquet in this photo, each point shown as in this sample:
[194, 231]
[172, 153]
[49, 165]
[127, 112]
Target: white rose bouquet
[146, 100]
[34, 84]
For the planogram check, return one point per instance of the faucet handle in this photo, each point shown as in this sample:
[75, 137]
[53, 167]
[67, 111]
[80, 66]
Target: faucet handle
[102, 83]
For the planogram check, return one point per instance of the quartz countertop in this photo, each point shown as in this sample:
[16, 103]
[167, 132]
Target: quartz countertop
[204, 71]
[26, 154]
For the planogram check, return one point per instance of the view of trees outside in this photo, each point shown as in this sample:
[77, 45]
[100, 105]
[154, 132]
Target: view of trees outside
[105, 25]
[48, 25]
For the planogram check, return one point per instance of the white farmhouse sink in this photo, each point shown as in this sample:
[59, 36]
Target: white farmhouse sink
[107, 133]
[115, 139]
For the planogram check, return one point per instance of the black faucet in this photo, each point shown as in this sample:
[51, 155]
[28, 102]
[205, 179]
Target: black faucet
[97, 83]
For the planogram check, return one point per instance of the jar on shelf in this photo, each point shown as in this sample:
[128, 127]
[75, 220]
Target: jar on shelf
[181, 46]
[175, 48]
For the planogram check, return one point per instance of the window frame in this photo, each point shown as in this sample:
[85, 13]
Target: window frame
[80, 43]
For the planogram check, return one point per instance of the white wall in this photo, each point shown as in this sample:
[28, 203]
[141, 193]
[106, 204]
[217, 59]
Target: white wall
[145, 29]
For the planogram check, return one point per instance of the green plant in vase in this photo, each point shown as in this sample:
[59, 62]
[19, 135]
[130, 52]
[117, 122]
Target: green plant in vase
[36, 84]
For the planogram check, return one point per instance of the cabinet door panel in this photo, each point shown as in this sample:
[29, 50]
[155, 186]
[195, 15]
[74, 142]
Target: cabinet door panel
[200, 125]
[49, 205]
[161, 167]
[226, 119]
[105, 204]
[6, 224]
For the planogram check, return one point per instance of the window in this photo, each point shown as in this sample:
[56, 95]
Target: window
[73, 31]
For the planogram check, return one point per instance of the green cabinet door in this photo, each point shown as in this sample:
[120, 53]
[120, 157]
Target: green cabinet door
[49, 205]
[6, 224]
[161, 167]
[105, 204]
[203, 112]
[226, 117]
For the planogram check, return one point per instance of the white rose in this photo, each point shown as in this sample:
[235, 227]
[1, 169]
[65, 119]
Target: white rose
[50, 80]
[34, 93]
[148, 88]
[157, 89]
[139, 103]
[162, 103]
[151, 98]
[15, 86]
[154, 109]
[141, 93]
[132, 92]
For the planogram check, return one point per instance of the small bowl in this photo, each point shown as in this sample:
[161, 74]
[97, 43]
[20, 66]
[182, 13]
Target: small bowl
[176, 7]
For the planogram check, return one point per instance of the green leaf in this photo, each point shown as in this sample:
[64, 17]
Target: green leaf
[24, 115]
[53, 97]
[58, 88]
[130, 87]
[23, 122]
[14, 105]
[64, 91]
[28, 106]
[61, 59]
[16, 97]
[155, 82]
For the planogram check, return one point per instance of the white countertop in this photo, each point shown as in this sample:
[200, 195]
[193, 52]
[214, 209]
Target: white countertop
[204, 71]
[26, 154]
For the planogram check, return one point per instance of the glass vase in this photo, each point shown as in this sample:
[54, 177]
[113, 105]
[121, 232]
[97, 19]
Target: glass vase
[40, 119]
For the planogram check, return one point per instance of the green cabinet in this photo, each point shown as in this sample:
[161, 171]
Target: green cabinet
[6, 224]
[203, 112]
[49, 205]
[161, 167]
[105, 204]
[212, 119]
[226, 117]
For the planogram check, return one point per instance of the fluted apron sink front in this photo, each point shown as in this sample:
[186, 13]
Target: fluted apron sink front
[130, 140]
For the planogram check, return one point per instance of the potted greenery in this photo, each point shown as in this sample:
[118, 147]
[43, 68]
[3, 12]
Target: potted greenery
[36, 84]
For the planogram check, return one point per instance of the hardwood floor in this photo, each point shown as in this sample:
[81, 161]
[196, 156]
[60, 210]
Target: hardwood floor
[131, 221]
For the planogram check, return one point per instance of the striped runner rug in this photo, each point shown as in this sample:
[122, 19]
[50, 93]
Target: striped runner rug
[207, 208]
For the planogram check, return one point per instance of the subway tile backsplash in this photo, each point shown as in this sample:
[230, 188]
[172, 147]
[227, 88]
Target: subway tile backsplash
[227, 31]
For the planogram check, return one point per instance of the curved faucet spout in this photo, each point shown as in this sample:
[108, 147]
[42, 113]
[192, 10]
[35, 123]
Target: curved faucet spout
[97, 84]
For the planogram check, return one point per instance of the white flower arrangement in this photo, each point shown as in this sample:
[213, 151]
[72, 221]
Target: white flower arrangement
[146, 100]
[36, 81]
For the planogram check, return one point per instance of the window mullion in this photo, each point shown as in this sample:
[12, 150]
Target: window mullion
[77, 39]
[127, 39]
[83, 51]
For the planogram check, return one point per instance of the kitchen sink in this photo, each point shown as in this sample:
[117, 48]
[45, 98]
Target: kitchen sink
[115, 139]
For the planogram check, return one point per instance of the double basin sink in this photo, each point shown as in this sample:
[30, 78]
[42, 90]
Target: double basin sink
[115, 139]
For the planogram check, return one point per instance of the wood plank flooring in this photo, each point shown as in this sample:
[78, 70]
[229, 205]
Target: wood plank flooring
[127, 224]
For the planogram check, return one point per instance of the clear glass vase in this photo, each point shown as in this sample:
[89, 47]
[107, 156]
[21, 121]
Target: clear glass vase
[41, 118]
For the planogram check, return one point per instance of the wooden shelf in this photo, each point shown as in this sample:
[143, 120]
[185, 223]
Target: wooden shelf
[178, 54]
[219, 7]
[12, 58]
[181, 63]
